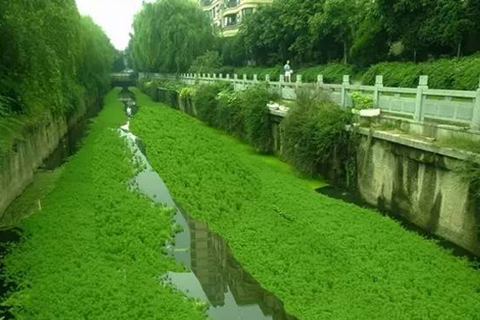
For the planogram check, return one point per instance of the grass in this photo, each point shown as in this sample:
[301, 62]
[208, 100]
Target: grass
[95, 249]
[325, 259]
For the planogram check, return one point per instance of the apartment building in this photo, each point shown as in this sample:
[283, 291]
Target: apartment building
[227, 15]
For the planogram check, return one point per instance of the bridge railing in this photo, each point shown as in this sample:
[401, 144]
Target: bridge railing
[422, 104]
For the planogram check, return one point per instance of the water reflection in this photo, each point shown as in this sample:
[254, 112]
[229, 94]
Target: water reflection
[212, 274]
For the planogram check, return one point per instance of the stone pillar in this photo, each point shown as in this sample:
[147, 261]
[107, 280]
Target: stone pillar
[376, 92]
[422, 85]
[235, 80]
[475, 125]
[345, 84]
[298, 82]
[281, 82]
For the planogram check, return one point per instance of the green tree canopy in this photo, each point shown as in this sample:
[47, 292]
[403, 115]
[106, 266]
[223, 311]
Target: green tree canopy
[49, 55]
[169, 35]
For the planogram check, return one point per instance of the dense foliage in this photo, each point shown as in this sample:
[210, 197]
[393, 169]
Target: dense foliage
[314, 133]
[324, 258]
[169, 35]
[48, 52]
[51, 58]
[363, 31]
[242, 113]
[460, 74]
[95, 249]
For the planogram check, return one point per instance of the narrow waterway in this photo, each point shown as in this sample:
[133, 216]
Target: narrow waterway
[29, 202]
[212, 274]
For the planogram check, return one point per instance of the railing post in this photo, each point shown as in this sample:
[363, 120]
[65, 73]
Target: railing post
[422, 85]
[345, 83]
[255, 78]
[228, 76]
[220, 76]
[214, 77]
[475, 125]
[298, 82]
[235, 80]
[267, 78]
[281, 83]
[376, 91]
[319, 83]
[244, 80]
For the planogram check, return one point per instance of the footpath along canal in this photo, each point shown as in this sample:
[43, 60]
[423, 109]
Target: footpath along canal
[246, 236]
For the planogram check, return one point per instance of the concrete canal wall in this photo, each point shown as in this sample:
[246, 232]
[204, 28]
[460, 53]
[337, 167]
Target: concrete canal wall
[412, 178]
[30, 150]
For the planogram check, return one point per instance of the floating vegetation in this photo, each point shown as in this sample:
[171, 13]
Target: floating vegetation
[95, 249]
[325, 259]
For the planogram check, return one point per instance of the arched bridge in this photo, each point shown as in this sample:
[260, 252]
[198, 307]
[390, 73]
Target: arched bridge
[124, 79]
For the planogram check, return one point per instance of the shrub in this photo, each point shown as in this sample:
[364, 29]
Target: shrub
[274, 72]
[229, 113]
[205, 100]
[361, 101]
[332, 72]
[257, 120]
[206, 63]
[458, 74]
[313, 131]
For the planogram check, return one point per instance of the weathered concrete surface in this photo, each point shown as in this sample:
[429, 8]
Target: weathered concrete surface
[422, 186]
[28, 153]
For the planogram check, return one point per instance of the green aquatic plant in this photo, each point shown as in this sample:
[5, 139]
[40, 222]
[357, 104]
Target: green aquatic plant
[325, 259]
[95, 249]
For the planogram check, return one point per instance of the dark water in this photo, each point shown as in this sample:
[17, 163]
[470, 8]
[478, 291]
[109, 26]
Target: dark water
[354, 198]
[212, 274]
[70, 143]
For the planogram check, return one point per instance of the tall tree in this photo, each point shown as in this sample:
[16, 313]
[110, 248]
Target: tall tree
[338, 19]
[169, 35]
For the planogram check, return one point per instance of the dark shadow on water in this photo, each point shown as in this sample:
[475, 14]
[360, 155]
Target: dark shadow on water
[354, 198]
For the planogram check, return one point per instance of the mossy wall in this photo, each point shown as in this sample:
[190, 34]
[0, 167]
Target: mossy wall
[423, 187]
[29, 152]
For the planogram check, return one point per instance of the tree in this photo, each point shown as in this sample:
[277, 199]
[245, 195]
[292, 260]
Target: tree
[447, 24]
[209, 62]
[339, 18]
[44, 47]
[169, 35]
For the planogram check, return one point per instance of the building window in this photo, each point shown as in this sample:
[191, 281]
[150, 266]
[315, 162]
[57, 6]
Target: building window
[232, 3]
[231, 20]
[247, 11]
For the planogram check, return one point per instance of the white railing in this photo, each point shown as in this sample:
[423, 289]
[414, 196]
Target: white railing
[455, 107]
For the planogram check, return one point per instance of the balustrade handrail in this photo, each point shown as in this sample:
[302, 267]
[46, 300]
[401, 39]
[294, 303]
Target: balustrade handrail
[458, 107]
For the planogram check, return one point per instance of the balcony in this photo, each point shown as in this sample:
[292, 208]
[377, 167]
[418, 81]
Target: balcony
[232, 3]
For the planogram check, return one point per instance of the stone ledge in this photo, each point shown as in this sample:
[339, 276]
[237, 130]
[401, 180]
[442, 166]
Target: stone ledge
[420, 144]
